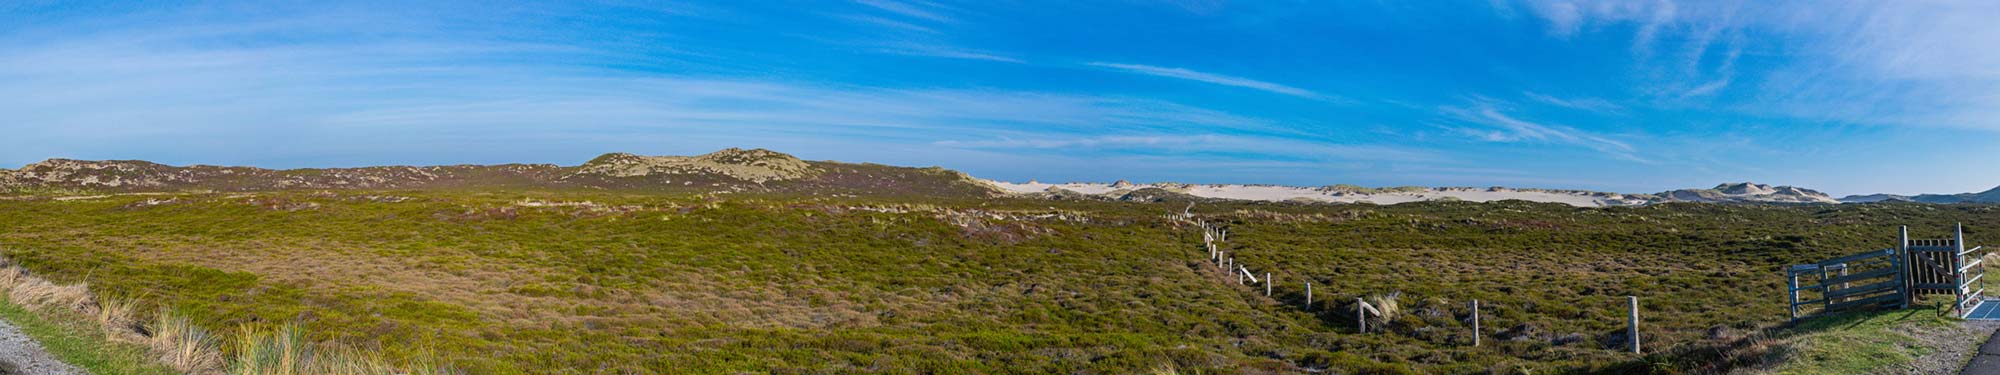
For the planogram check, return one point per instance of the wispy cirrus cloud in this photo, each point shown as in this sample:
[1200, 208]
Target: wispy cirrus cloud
[888, 23]
[1244, 146]
[1899, 63]
[1078, 142]
[1498, 126]
[931, 50]
[1587, 104]
[916, 9]
[1216, 79]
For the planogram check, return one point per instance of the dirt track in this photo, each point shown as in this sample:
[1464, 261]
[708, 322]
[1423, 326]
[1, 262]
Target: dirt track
[21, 355]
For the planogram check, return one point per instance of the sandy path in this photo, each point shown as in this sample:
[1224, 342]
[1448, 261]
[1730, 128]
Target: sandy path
[21, 355]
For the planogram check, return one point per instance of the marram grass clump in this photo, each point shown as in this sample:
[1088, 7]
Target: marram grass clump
[184, 346]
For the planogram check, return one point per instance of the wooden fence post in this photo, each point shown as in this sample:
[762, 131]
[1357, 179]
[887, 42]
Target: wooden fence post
[1633, 328]
[1793, 293]
[1361, 316]
[1843, 272]
[1475, 322]
[1903, 264]
[1267, 284]
[1309, 295]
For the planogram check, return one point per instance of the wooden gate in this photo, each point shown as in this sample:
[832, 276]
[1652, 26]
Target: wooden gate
[1890, 277]
[1862, 280]
[1945, 266]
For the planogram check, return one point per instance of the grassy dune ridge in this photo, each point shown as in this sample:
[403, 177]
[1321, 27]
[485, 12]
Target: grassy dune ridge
[600, 282]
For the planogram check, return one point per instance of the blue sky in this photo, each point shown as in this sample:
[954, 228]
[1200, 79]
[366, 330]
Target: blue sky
[1628, 96]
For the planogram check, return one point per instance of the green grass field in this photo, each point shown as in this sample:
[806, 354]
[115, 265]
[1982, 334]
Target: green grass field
[542, 282]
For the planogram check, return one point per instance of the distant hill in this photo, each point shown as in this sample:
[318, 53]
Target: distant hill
[1873, 198]
[1988, 196]
[729, 170]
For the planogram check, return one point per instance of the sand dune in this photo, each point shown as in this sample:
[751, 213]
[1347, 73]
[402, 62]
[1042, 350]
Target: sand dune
[1274, 193]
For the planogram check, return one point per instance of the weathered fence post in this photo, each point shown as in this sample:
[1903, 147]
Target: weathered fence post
[1309, 295]
[1267, 284]
[1843, 272]
[1632, 329]
[1957, 258]
[1475, 322]
[1903, 264]
[1793, 293]
[1360, 315]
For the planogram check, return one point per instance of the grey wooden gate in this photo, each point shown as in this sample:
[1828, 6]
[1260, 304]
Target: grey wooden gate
[1867, 279]
[1945, 266]
[1890, 277]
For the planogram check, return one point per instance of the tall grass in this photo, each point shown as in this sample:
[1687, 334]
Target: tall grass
[184, 346]
[178, 343]
[285, 351]
[1387, 304]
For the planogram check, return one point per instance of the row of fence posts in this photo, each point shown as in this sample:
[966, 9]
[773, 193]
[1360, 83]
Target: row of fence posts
[1211, 235]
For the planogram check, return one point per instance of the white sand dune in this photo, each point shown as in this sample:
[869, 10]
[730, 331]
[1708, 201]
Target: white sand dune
[1273, 193]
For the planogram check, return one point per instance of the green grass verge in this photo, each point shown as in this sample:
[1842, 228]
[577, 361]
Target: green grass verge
[1860, 343]
[72, 339]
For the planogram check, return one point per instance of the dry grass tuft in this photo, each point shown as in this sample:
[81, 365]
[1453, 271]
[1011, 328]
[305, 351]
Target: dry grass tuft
[1387, 304]
[120, 320]
[36, 292]
[186, 347]
[189, 348]
[285, 351]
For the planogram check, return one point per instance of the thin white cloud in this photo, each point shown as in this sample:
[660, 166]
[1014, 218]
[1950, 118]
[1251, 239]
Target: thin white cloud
[1707, 89]
[922, 10]
[927, 50]
[1588, 104]
[1076, 142]
[1212, 79]
[1501, 127]
[1266, 148]
[888, 23]
[1661, 17]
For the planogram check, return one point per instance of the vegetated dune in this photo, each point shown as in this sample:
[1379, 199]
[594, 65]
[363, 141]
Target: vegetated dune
[729, 170]
[579, 281]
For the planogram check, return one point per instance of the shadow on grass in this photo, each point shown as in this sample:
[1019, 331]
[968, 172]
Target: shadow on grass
[1764, 348]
